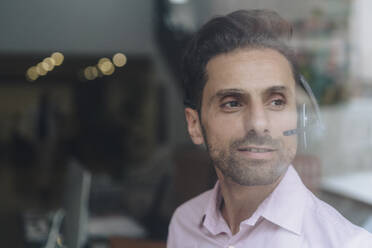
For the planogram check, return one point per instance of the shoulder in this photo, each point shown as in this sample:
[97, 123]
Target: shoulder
[186, 220]
[192, 210]
[324, 224]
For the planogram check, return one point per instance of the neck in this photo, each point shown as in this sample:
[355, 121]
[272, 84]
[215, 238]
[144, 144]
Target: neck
[240, 202]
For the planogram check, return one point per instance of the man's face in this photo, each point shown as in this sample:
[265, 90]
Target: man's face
[247, 103]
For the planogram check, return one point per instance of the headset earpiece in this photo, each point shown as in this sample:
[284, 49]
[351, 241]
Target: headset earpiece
[309, 118]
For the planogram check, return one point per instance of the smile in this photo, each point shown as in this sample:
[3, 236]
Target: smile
[256, 149]
[261, 153]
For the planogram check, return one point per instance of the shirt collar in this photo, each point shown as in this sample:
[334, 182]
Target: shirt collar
[212, 218]
[284, 206]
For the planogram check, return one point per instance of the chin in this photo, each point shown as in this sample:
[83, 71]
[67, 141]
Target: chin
[255, 173]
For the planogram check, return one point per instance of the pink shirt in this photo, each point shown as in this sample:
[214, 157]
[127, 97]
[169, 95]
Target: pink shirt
[291, 216]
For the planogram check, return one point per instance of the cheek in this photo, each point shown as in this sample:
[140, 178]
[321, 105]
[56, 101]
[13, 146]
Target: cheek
[281, 122]
[291, 143]
[221, 132]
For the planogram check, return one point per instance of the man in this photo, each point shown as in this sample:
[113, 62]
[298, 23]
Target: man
[240, 87]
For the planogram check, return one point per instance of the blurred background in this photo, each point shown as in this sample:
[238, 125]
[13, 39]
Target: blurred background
[92, 132]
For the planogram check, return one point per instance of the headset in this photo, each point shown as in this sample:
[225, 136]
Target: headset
[309, 118]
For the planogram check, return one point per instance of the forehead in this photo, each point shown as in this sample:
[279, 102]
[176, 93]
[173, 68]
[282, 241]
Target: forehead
[251, 70]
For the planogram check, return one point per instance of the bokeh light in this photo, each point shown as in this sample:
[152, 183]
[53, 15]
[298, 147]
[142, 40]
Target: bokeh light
[119, 59]
[58, 58]
[41, 68]
[32, 73]
[91, 73]
[105, 66]
[48, 64]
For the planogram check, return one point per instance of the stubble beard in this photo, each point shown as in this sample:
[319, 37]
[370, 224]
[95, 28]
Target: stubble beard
[251, 172]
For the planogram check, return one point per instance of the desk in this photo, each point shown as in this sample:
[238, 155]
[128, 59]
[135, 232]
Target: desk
[118, 242]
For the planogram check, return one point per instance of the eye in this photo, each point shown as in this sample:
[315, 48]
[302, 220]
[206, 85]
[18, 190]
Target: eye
[231, 106]
[277, 104]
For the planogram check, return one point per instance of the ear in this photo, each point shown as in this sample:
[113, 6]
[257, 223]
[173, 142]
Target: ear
[194, 126]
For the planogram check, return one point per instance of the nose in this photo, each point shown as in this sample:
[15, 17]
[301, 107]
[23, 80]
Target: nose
[256, 119]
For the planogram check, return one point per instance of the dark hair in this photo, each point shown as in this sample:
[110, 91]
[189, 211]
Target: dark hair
[254, 29]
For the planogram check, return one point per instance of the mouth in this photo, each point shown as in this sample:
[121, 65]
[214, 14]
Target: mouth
[255, 152]
[256, 149]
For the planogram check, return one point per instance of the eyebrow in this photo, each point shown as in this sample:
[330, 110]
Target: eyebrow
[226, 92]
[275, 89]
[239, 92]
